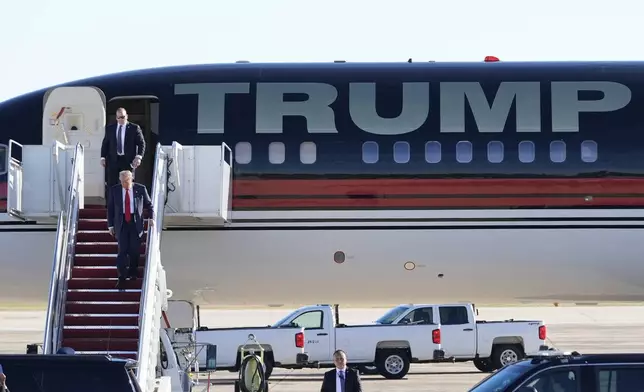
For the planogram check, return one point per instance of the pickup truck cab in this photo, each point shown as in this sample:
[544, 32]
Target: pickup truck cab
[489, 344]
[392, 348]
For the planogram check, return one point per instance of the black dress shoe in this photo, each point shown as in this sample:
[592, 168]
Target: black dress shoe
[120, 284]
[134, 275]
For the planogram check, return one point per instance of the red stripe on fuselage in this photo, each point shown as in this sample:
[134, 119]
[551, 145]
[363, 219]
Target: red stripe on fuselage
[513, 186]
[437, 193]
[432, 193]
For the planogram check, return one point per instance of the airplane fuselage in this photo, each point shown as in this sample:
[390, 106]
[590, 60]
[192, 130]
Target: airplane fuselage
[497, 182]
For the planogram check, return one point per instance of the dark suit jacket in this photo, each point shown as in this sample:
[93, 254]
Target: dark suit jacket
[351, 384]
[133, 145]
[115, 207]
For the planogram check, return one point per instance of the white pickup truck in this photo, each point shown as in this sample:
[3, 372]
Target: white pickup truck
[489, 344]
[392, 348]
[282, 346]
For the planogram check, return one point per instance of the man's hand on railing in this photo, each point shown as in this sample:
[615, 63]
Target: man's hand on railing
[151, 223]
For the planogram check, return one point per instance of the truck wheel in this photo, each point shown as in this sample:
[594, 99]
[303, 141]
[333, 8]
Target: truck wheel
[393, 364]
[504, 354]
[368, 370]
[484, 365]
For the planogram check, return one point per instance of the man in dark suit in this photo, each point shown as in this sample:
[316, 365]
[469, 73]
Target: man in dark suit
[341, 379]
[126, 222]
[122, 149]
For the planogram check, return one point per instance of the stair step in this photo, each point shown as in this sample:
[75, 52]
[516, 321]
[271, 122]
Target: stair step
[86, 224]
[113, 354]
[100, 236]
[88, 344]
[104, 296]
[102, 321]
[104, 284]
[101, 308]
[93, 213]
[97, 213]
[96, 224]
[99, 261]
[100, 272]
[100, 333]
[102, 248]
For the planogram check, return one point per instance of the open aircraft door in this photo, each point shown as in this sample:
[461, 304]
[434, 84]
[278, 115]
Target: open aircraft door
[77, 114]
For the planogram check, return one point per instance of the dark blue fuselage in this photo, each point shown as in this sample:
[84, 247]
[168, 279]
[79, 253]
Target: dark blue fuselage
[618, 135]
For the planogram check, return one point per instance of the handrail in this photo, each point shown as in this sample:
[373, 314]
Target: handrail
[63, 256]
[57, 146]
[149, 313]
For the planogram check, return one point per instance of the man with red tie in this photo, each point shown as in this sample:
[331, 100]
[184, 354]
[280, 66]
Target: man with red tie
[125, 221]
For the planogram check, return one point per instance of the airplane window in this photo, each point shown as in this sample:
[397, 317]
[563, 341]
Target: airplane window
[432, 152]
[526, 151]
[464, 152]
[557, 151]
[495, 152]
[588, 151]
[243, 152]
[401, 152]
[308, 153]
[369, 152]
[276, 153]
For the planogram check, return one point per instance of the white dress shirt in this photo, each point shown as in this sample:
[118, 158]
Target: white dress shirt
[131, 200]
[338, 380]
[122, 129]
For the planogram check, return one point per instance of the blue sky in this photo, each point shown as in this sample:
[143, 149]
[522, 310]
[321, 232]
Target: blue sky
[45, 42]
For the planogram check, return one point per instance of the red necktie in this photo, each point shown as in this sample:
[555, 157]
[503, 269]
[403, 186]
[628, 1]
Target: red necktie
[128, 213]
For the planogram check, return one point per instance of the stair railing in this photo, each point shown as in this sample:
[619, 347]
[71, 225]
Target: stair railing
[153, 291]
[63, 255]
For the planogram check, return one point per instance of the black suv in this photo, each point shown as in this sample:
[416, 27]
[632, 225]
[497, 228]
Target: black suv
[553, 371]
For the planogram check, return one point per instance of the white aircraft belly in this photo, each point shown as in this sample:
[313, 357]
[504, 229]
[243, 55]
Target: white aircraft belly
[252, 264]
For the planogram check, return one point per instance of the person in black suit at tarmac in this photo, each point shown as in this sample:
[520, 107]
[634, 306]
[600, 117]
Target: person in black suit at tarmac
[342, 378]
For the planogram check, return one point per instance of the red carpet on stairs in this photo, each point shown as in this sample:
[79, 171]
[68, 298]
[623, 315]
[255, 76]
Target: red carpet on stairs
[100, 319]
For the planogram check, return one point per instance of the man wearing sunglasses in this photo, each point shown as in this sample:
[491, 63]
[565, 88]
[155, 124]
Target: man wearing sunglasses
[122, 149]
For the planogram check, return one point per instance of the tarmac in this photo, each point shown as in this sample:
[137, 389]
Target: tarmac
[587, 329]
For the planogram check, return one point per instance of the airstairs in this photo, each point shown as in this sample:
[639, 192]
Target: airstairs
[85, 311]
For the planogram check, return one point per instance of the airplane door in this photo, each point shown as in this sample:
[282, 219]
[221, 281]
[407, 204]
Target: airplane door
[77, 114]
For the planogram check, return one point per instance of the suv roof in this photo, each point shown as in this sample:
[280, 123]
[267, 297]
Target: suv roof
[511, 376]
[554, 357]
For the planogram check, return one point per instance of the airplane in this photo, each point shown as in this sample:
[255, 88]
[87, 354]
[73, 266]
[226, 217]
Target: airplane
[373, 184]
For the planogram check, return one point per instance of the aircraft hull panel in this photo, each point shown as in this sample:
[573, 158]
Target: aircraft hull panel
[290, 264]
